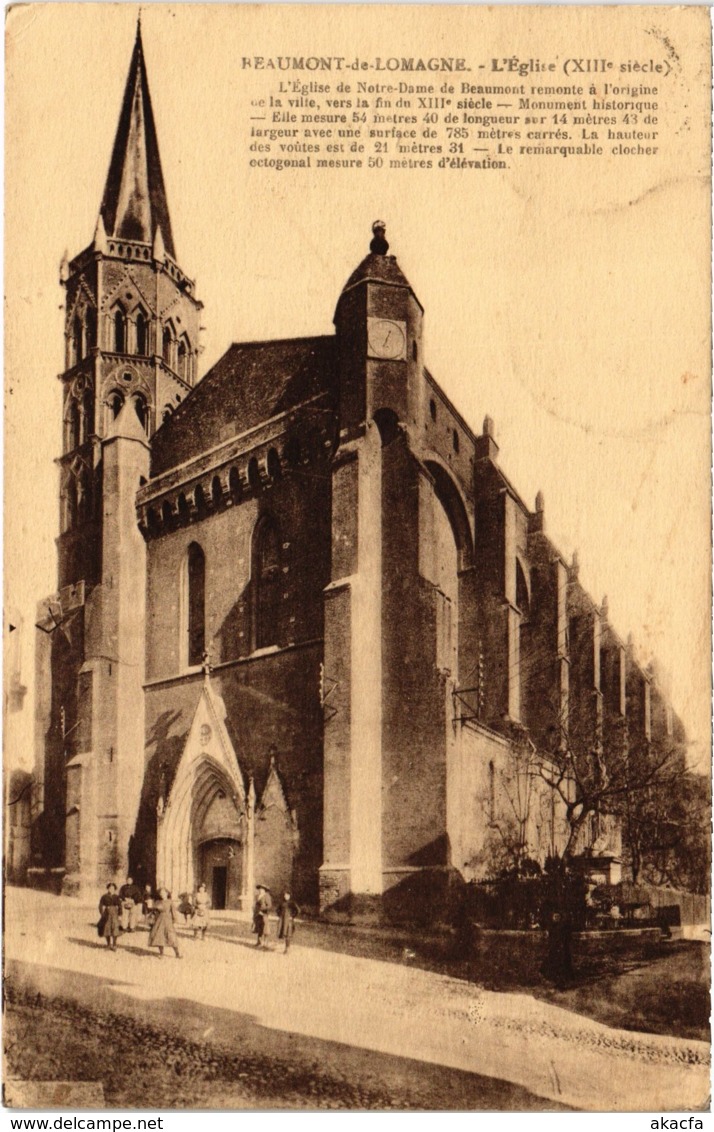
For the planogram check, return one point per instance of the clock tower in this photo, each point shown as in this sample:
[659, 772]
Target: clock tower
[379, 341]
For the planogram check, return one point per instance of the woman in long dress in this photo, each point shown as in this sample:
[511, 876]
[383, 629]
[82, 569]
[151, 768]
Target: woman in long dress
[288, 912]
[163, 933]
[201, 906]
[109, 913]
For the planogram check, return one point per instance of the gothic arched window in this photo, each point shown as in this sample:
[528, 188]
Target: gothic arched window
[167, 341]
[120, 330]
[87, 425]
[74, 425]
[71, 503]
[91, 326]
[114, 404]
[195, 592]
[182, 354]
[522, 660]
[142, 334]
[77, 340]
[265, 562]
[141, 409]
[84, 500]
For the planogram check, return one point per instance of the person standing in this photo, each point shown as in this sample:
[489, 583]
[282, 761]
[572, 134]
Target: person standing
[201, 906]
[186, 906]
[130, 896]
[288, 912]
[163, 932]
[261, 909]
[147, 905]
[109, 912]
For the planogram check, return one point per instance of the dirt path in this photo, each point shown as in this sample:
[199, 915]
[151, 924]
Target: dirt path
[384, 1030]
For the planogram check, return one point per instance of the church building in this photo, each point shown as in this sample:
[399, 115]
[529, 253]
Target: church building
[303, 623]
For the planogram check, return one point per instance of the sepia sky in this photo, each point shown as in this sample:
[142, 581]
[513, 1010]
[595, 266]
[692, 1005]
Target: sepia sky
[566, 298]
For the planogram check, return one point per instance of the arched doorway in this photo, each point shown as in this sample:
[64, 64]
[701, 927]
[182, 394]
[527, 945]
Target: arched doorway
[220, 868]
[218, 831]
[205, 830]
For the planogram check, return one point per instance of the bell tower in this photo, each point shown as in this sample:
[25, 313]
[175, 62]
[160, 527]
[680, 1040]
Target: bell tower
[131, 326]
[131, 349]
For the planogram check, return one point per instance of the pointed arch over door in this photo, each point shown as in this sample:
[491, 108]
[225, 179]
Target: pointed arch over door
[205, 830]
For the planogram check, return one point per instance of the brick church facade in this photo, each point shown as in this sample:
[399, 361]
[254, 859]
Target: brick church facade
[302, 619]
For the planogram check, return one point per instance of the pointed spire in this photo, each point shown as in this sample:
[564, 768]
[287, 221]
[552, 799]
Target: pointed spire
[134, 204]
[64, 268]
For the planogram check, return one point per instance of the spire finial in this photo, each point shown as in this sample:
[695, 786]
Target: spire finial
[138, 26]
[379, 245]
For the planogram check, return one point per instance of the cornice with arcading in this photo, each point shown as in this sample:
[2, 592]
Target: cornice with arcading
[290, 444]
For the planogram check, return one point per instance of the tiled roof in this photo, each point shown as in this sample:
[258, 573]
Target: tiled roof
[251, 383]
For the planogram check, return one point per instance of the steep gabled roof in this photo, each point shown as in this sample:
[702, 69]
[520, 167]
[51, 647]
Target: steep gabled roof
[250, 384]
[134, 204]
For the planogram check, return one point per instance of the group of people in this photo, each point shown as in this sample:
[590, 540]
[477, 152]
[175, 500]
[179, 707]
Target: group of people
[121, 911]
[288, 912]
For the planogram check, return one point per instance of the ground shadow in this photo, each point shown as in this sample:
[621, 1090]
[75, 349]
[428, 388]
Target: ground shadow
[246, 1064]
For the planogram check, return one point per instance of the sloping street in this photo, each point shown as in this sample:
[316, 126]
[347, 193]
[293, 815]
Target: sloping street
[373, 1034]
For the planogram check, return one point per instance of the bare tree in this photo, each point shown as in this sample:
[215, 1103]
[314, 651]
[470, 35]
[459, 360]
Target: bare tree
[594, 776]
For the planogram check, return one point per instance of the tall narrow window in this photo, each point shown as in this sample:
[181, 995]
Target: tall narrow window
[167, 346]
[491, 792]
[77, 336]
[84, 502]
[182, 353]
[522, 664]
[74, 425]
[266, 583]
[142, 335]
[196, 603]
[71, 503]
[114, 404]
[119, 330]
[87, 414]
[142, 411]
[91, 324]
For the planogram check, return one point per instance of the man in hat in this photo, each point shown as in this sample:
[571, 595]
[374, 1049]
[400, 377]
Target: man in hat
[130, 896]
[261, 909]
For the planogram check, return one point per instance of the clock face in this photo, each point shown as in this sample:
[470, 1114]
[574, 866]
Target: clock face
[387, 339]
